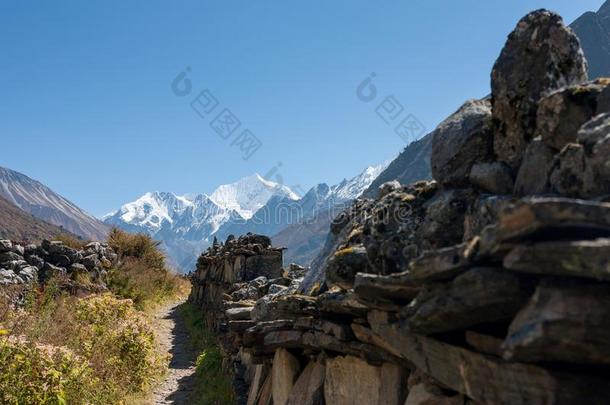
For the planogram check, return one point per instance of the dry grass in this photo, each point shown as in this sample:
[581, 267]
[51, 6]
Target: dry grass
[111, 347]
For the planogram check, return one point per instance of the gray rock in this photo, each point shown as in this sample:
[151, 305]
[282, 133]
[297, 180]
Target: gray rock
[94, 247]
[443, 224]
[5, 246]
[18, 249]
[8, 277]
[460, 141]
[15, 264]
[60, 260]
[275, 289]
[49, 271]
[345, 264]
[495, 178]
[567, 176]
[77, 268]
[595, 138]
[533, 175]
[91, 262]
[388, 187]
[541, 55]
[9, 257]
[295, 271]
[56, 247]
[35, 261]
[28, 274]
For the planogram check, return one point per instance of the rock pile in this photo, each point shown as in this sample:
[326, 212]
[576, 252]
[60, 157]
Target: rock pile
[23, 265]
[489, 285]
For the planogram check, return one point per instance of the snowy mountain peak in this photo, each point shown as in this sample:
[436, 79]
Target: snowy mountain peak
[353, 188]
[249, 194]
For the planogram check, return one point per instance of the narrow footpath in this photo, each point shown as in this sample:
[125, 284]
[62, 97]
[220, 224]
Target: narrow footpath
[174, 339]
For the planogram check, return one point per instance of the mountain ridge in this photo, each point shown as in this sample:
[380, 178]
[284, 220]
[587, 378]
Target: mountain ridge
[187, 224]
[43, 203]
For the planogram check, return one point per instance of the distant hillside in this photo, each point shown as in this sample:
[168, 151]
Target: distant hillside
[18, 225]
[304, 240]
[37, 199]
[593, 30]
[413, 164]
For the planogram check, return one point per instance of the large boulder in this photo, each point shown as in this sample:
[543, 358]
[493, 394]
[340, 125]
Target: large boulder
[541, 55]
[460, 141]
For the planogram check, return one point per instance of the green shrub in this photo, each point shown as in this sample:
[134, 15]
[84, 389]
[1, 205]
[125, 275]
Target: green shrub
[142, 275]
[43, 375]
[213, 383]
[106, 334]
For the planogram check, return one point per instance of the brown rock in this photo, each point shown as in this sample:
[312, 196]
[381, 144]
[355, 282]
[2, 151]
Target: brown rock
[488, 380]
[478, 296]
[309, 387]
[284, 372]
[424, 394]
[377, 288]
[588, 258]
[442, 264]
[563, 322]
[351, 381]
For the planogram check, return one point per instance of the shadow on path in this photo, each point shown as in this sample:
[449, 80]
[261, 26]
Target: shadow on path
[175, 339]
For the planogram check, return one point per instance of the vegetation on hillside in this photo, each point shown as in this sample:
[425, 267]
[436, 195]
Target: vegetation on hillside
[60, 349]
[18, 225]
[142, 275]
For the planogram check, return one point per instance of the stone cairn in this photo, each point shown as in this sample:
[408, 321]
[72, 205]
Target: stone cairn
[81, 271]
[489, 285]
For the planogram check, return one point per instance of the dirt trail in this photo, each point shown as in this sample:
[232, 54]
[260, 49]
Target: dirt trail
[174, 339]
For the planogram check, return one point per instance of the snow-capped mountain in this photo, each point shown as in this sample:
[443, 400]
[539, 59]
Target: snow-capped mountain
[249, 194]
[353, 188]
[43, 203]
[187, 224]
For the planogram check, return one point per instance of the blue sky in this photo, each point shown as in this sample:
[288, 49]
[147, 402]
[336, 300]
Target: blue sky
[87, 104]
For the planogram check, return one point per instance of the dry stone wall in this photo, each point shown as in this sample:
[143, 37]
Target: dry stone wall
[82, 270]
[489, 285]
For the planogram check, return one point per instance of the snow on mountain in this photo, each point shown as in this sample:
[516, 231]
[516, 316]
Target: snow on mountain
[353, 188]
[249, 194]
[187, 224]
[43, 203]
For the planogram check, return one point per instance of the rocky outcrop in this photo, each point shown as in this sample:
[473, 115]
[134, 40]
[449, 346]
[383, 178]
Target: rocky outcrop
[488, 285]
[81, 271]
[541, 55]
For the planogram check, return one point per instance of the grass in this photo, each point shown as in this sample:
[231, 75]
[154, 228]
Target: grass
[213, 384]
[142, 274]
[101, 349]
[64, 349]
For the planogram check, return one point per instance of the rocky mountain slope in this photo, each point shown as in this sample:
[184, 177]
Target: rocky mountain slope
[411, 165]
[186, 225]
[488, 285]
[16, 224]
[593, 30]
[43, 203]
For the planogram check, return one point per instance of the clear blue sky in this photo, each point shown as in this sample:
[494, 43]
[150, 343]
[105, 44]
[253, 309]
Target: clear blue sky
[87, 106]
